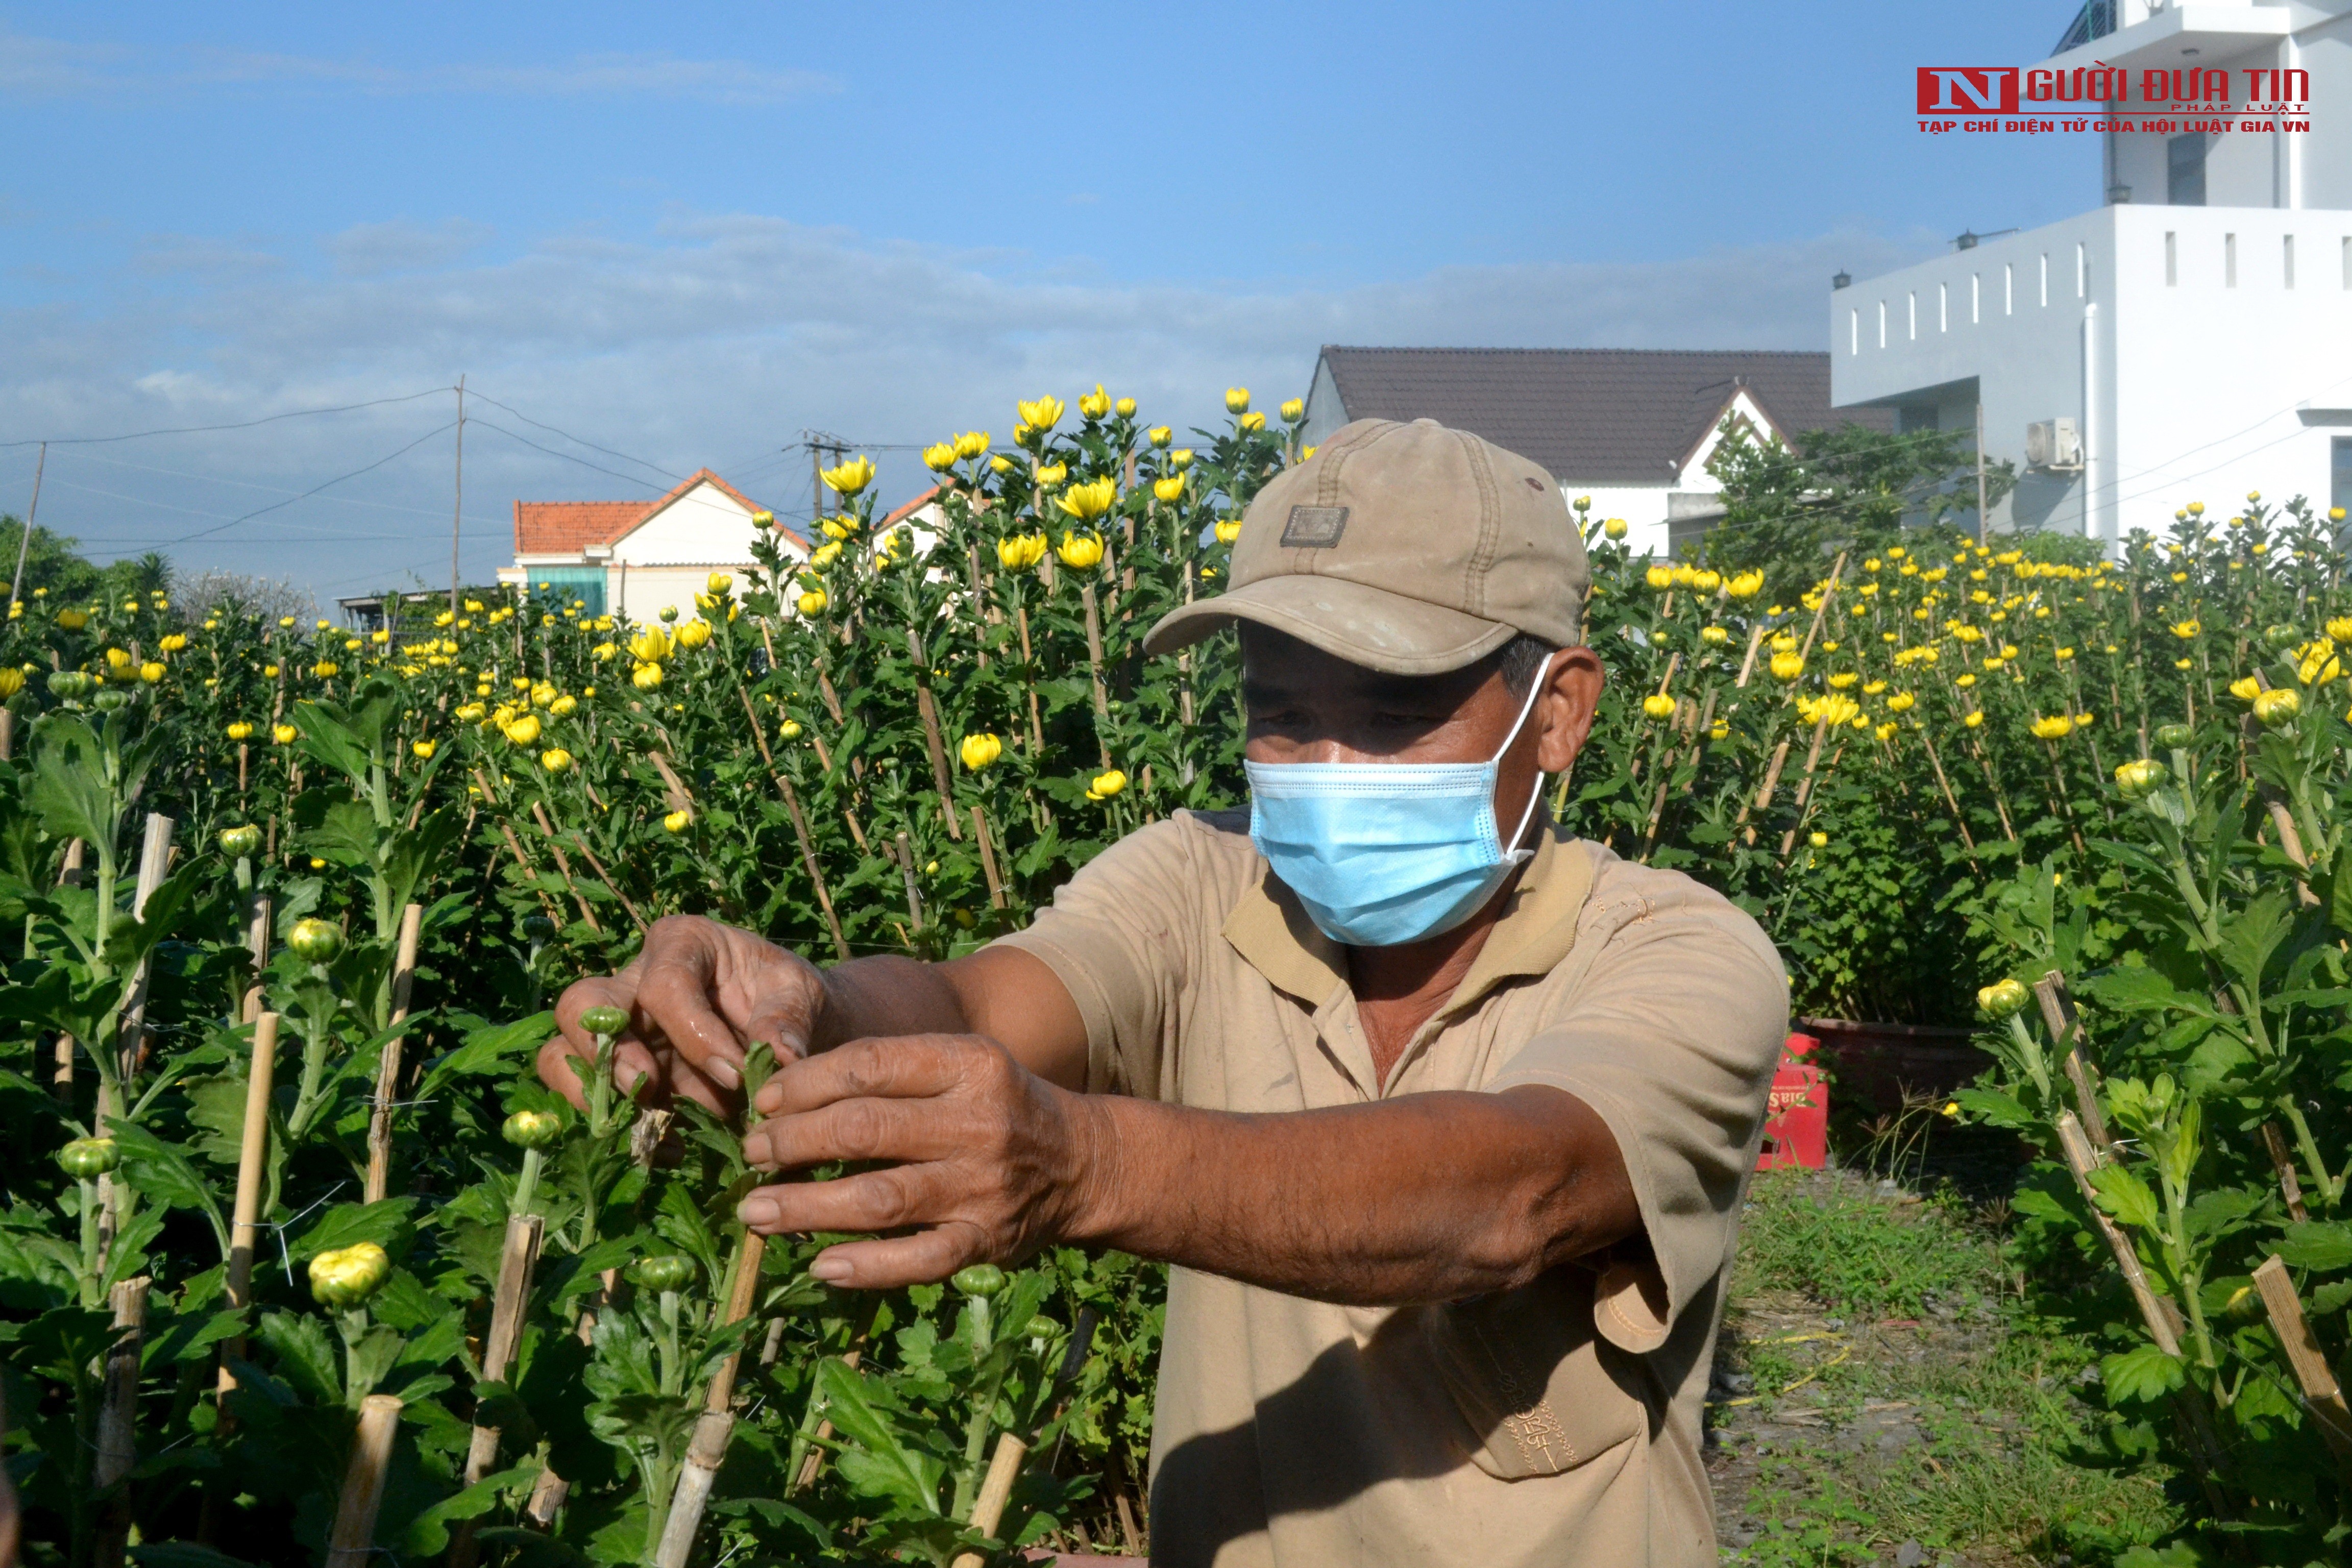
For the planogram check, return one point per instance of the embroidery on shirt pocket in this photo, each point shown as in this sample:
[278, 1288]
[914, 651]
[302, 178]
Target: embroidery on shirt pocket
[1542, 1392]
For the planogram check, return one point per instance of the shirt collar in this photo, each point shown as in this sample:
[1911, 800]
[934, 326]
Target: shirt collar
[1271, 932]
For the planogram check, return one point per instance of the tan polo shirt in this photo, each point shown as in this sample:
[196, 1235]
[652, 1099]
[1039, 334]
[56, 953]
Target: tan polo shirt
[1554, 1424]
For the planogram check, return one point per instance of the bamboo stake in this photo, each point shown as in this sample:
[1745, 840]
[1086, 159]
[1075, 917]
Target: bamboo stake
[517, 1261]
[744, 1287]
[7, 733]
[996, 1491]
[2320, 1388]
[933, 741]
[69, 875]
[256, 944]
[1821, 608]
[118, 1419]
[988, 858]
[1028, 680]
[529, 873]
[695, 1479]
[563, 865]
[607, 878]
[387, 1067]
[856, 832]
[353, 1541]
[1949, 798]
[2290, 1188]
[1094, 665]
[252, 1156]
[2154, 1311]
[680, 797]
[905, 856]
[547, 1496]
[1748, 665]
[155, 860]
[808, 858]
[1805, 782]
[2065, 1025]
[813, 1460]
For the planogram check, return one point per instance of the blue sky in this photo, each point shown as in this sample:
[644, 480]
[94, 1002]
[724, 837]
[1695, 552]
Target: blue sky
[688, 233]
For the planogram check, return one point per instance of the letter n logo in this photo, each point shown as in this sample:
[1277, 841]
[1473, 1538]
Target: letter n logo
[1968, 90]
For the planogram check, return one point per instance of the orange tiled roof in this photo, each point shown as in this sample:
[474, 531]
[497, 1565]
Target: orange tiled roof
[567, 527]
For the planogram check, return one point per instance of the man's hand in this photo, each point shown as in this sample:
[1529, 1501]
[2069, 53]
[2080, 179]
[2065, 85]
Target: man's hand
[993, 1162]
[697, 996]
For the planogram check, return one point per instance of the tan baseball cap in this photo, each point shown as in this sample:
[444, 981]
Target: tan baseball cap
[1412, 549]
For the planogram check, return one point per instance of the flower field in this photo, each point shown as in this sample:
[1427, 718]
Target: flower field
[299, 1260]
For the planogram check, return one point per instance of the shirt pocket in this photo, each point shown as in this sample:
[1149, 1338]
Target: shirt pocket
[1542, 1392]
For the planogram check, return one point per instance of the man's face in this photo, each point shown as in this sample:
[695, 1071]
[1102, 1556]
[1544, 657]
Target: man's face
[1304, 706]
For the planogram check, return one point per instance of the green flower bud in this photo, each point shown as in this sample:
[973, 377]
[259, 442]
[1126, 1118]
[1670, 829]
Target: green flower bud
[317, 940]
[538, 927]
[2278, 640]
[533, 1129]
[1041, 1328]
[2134, 779]
[240, 841]
[2002, 999]
[606, 1021]
[980, 1280]
[669, 1272]
[2173, 737]
[67, 685]
[2276, 708]
[348, 1276]
[110, 700]
[86, 1158]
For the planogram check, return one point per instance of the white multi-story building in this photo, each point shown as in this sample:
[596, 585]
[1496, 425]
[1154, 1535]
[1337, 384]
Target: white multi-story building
[2191, 338]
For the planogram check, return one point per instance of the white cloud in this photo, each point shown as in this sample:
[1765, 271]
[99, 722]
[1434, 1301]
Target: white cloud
[372, 249]
[717, 342]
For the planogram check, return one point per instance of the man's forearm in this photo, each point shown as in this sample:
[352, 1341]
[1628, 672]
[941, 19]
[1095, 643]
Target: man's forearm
[1426, 1197]
[868, 998]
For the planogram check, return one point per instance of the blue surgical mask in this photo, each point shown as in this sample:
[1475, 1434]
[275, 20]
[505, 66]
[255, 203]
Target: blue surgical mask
[1382, 854]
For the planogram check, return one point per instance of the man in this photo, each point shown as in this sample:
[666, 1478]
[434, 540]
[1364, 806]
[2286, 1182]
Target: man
[1441, 1118]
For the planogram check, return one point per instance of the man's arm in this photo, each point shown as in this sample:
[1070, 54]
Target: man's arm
[1425, 1197]
[700, 993]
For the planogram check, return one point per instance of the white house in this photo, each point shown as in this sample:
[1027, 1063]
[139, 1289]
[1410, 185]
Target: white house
[634, 558]
[2191, 338]
[1633, 428]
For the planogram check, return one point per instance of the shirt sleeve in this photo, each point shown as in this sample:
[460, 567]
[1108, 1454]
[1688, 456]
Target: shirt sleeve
[1672, 1039]
[1120, 935]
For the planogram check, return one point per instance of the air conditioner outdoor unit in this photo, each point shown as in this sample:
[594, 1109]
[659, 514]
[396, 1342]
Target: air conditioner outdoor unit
[2054, 444]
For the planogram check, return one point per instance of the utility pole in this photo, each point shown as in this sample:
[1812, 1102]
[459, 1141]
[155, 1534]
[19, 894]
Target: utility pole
[1982, 522]
[458, 504]
[16, 588]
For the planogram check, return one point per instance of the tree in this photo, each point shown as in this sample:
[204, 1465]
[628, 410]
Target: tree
[53, 562]
[1786, 508]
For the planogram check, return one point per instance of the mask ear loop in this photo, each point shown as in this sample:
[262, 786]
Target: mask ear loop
[1535, 795]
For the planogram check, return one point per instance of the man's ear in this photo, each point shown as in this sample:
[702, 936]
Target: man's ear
[1571, 696]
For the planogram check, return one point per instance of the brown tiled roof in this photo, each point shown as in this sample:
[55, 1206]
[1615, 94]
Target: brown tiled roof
[1589, 415]
[567, 527]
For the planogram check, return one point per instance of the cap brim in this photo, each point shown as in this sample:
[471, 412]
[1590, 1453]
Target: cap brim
[1364, 625]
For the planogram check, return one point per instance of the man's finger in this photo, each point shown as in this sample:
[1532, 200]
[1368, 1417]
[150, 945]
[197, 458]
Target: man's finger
[606, 991]
[904, 1067]
[864, 1129]
[674, 996]
[786, 1018]
[885, 1265]
[556, 1069]
[892, 1199]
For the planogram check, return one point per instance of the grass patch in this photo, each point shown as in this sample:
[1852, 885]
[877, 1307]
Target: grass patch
[1883, 1385]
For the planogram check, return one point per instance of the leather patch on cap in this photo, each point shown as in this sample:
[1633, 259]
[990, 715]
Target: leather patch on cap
[1314, 527]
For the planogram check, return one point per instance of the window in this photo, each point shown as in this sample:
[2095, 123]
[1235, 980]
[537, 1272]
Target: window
[2184, 170]
[2229, 261]
[1914, 314]
[2171, 259]
[2286, 270]
[2009, 280]
[1975, 298]
[2340, 476]
[1882, 323]
[1943, 306]
[2082, 271]
[2348, 261]
[2045, 279]
[1853, 331]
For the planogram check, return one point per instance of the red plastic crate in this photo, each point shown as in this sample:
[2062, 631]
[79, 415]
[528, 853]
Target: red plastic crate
[1797, 1118]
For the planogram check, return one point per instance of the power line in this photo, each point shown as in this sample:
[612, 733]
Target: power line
[339, 478]
[567, 435]
[510, 435]
[204, 429]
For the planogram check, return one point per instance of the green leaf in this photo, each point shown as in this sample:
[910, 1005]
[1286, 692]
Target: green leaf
[427, 1534]
[161, 1171]
[384, 1222]
[2322, 1244]
[888, 1469]
[2124, 1195]
[2137, 990]
[2140, 1375]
